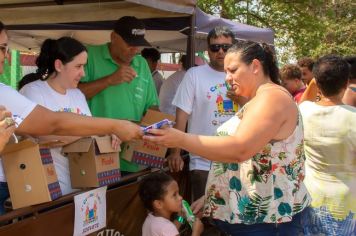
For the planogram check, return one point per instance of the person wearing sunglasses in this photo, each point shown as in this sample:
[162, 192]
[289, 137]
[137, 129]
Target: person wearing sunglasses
[202, 103]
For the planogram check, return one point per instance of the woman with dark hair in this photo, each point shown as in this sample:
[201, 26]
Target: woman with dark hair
[330, 150]
[60, 68]
[54, 86]
[36, 120]
[64, 50]
[255, 184]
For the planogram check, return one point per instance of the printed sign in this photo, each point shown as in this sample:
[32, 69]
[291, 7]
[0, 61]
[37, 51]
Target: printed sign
[90, 211]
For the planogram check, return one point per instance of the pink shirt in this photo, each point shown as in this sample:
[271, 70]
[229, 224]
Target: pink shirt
[298, 94]
[158, 226]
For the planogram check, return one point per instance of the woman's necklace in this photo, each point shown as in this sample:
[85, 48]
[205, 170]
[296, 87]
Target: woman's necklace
[332, 101]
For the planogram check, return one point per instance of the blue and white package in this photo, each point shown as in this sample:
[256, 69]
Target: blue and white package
[158, 125]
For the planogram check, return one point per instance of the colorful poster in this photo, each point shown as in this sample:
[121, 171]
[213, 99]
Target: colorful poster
[90, 211]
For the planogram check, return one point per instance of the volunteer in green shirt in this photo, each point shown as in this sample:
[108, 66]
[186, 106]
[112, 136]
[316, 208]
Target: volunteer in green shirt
[118, 82]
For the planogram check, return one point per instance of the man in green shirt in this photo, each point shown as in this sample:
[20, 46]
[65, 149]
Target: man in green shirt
[118, 82]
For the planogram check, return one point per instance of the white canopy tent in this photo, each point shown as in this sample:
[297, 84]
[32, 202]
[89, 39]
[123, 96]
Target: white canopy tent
[32, 21]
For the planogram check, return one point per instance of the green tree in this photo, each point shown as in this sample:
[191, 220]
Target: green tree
[302, 28]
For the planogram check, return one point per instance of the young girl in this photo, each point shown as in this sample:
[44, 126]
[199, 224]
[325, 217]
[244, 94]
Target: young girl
[160, 195]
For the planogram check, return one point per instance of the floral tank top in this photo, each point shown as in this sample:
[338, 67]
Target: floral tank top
[268, 188]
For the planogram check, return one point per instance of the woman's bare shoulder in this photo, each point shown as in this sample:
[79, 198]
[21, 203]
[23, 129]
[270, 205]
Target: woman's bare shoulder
[275, 96]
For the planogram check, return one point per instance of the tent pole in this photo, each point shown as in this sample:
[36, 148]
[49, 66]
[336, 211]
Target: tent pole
[191, 42]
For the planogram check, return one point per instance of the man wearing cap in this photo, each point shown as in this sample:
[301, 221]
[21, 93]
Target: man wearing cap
[118, 82]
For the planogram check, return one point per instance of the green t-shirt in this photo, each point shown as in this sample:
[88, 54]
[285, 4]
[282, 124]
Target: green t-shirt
[127, 101]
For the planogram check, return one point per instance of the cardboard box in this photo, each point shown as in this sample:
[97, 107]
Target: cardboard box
[30, 174]
[92, 162]
[143, 152]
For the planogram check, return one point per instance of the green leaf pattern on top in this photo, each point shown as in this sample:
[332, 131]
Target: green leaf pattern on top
[278, 193]
[235, 184]
[233, 167]
[256, 210]
[268, 188]
[219, 168]
[284, 209]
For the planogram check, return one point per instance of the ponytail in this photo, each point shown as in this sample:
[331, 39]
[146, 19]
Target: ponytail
[28, 79]
[44, 62]
[271, 63]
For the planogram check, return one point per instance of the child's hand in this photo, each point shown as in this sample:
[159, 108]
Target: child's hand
[198, 227]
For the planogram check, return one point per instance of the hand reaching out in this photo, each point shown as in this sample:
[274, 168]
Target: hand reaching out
[7, 127]
[127, 131]
[168, 137]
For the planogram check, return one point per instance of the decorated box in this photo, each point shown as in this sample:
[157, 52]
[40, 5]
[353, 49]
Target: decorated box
[144, 152]
[92, 162]
[30, 174]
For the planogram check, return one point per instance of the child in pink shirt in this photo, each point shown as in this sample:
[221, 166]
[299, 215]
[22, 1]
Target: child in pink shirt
[160, 195]
[291, 77]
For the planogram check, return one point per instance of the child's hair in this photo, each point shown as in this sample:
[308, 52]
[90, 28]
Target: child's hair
[153, 187]
[306, 62]
[289, 72]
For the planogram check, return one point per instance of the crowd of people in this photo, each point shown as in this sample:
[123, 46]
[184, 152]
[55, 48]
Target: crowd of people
[271, 151]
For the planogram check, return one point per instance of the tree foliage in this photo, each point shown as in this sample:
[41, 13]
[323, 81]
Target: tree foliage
[302, 28]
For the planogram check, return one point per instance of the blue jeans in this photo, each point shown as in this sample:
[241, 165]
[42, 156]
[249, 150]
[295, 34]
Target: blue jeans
[292, 228]
[4, 194]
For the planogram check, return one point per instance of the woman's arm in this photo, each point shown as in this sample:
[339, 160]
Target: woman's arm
[42, 121]
[269, 116]
[56, 140]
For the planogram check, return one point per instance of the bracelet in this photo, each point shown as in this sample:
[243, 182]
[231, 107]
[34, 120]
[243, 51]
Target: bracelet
[180, 219]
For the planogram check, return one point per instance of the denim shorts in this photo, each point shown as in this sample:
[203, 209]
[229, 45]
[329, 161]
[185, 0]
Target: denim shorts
[319, 221]
[292, 228]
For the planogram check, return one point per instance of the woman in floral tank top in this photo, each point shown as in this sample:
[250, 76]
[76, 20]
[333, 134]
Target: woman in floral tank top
[255, 184]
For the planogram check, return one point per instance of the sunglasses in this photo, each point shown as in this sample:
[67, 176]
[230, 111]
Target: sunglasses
[4, 48]
[216, 47]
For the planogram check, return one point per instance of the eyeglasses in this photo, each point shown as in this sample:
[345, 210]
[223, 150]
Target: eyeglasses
[4, 48]
[216, 47]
